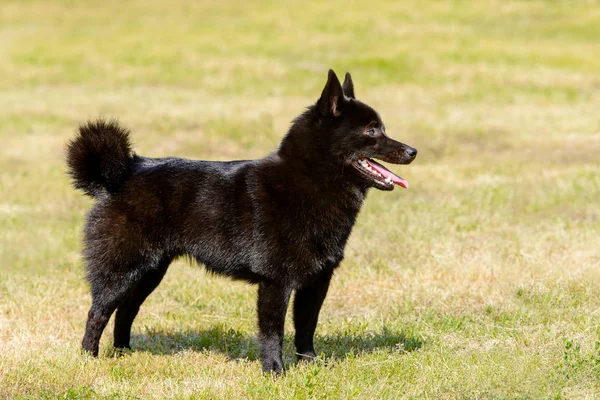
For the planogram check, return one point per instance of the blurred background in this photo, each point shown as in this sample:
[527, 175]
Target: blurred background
[480, 281]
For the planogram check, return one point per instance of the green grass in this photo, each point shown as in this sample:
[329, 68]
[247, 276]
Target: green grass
[482, 281]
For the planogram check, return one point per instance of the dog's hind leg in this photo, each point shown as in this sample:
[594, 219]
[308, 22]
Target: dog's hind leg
[127, 311]
[110, 288]
[307, 305]
[105, 301]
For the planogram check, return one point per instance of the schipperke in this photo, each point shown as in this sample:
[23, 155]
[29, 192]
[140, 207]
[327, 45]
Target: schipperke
[280, 222]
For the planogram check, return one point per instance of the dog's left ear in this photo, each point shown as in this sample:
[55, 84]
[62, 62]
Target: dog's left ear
[332, 98]
[348, 86]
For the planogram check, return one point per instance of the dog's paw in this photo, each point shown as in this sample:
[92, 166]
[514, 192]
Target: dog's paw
[273, 367]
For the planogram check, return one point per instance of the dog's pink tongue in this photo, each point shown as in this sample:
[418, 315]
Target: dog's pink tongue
[399, 181]
[387, 173]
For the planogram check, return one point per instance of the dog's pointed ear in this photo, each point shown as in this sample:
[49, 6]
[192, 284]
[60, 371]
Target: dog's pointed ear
[332, 98]
[348, 86]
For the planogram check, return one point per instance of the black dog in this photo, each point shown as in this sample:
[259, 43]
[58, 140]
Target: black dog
[281, 222]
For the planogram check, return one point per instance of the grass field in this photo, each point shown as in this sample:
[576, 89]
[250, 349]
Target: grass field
[481, 281]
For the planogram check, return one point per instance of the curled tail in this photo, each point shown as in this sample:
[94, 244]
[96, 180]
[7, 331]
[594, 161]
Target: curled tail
[100, 157]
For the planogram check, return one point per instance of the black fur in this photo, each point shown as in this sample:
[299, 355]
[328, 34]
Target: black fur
[100, 157]
[281, 222]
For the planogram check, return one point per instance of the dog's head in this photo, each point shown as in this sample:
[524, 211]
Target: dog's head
[357, 135]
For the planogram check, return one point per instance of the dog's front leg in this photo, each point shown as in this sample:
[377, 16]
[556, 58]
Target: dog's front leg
[272, 306]
[307, 305]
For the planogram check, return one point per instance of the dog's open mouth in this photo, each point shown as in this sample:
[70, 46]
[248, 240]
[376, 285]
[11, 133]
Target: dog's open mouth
[381, 176]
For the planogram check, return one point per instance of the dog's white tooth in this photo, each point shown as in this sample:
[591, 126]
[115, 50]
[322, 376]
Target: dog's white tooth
[388, 179]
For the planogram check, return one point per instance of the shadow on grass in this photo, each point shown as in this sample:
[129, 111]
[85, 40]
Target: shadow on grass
[238, 345]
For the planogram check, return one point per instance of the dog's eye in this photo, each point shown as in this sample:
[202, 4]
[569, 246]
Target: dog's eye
[371, 132]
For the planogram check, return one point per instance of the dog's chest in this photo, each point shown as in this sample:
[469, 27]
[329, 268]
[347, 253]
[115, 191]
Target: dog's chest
[315, 238]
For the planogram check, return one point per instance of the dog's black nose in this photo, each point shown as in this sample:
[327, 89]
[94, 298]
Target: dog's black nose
[411, 151]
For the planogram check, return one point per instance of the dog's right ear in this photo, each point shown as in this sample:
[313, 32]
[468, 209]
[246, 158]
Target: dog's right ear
[348, 86]
[332, 98]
